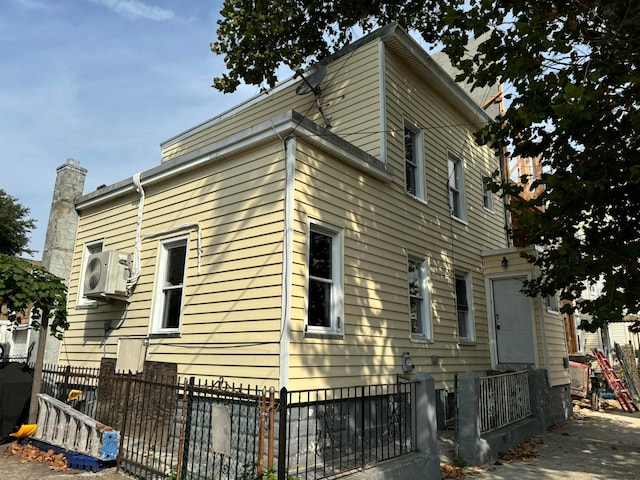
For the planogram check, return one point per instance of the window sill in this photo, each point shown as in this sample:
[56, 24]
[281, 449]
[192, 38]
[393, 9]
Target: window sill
[466, 342]
[86, 306]
[489, 210]
[324, 335]
[460, 220]
[165, 335]
[418, 338]
[416, 198]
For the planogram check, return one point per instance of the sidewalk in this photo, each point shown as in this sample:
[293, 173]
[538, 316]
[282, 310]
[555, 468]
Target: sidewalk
[592, 446]
[14, 468]
[601, 445]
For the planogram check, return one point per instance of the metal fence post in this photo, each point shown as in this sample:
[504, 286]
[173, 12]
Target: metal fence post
[187, 430]
[183, 426]
[282, 435]
[362, 434]
[271, 427]
[123, 432]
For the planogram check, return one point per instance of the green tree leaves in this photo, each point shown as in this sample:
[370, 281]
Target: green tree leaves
[14, 226]
[571, 71]
[24, 286]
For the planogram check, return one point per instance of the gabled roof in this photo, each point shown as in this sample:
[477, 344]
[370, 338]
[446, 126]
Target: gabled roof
[399, 42]
[393, 36]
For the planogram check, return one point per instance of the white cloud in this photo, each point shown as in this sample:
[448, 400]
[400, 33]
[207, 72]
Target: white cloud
[136, 9]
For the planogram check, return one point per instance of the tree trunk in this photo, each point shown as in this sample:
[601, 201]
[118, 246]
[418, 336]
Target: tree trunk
[36, 386]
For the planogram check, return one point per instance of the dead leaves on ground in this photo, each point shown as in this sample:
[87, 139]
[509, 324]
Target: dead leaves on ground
[525, 452]
[29, 453]
[451, 472]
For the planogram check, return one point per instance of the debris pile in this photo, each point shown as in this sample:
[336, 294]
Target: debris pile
[524, 452]
[451, 472]
[29, 453]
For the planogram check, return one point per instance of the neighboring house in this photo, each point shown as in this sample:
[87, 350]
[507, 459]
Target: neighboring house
[604, 338]
[289, 245]
[18, 340]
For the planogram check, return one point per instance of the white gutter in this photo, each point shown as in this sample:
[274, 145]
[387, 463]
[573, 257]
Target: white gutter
[278, 127]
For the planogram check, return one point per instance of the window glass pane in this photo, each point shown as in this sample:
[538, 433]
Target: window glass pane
[487, 199]
[416, 296]
[462, 305]
[552, 303]
[461, 293]
[319, 303]
[411, 178]
[454, 199]
[410, 161]
[175, 264]
[172, 303]
[416, 315]
[414, 278]
[462, 324]
[320, 255]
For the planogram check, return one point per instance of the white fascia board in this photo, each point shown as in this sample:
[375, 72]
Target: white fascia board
[284, 125]
[250, 102]
[436, 73]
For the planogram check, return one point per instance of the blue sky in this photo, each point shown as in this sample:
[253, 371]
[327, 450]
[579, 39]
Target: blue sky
[101, 81]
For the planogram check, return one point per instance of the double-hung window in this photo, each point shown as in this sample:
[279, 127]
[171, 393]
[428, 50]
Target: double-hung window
[324, 286]
[169, 289]
[89, 249]
[487, 195]
[463, 306]
[456, 187]
[419, 298]
[552, 303]
[414, 161]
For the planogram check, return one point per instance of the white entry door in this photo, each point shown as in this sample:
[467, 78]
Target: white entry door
[513, 322]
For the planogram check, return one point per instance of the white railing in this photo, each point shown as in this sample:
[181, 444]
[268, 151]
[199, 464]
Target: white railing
[61, 425]
[504, 399]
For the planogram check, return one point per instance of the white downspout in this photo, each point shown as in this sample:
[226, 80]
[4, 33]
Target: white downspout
[382, 92]
[289, 145]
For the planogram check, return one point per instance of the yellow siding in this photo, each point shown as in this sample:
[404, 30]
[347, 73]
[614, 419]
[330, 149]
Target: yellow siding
[350, 99]
[232, 309]
[231, 314]
[381, 226]
[555, 337]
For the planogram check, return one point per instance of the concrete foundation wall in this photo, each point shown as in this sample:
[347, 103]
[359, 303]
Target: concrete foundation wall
[549, 406]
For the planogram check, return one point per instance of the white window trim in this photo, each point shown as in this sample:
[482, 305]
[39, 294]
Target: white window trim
[418, 147]
[550, 308]
[458, 163]
[337, 293]
[427, 319]
[158, 296]
[470, 338]
[95, 246]
[487, 194]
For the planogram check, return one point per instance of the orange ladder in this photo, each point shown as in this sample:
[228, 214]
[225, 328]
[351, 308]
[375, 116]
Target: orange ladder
[617, 386]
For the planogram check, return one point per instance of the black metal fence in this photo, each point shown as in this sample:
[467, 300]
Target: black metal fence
[188, 429]
[331, 431]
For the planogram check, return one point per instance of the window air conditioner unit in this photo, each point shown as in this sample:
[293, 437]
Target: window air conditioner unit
[106, 275]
